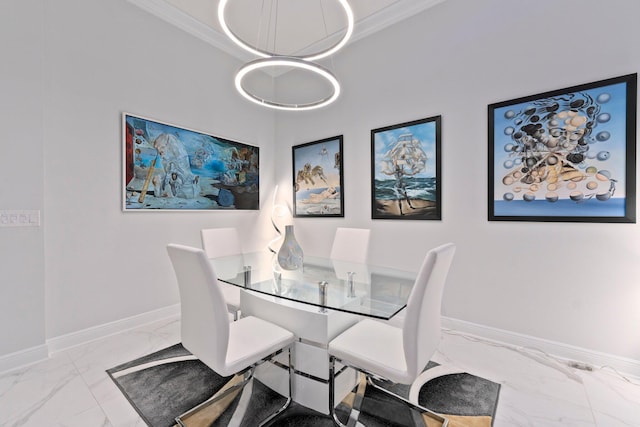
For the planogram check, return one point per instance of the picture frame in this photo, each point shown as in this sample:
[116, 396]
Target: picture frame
[566, 155]
[318, 178]
[406, 170]
[172, 168]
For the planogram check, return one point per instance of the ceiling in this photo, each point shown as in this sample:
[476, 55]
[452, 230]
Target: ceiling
[303, 26]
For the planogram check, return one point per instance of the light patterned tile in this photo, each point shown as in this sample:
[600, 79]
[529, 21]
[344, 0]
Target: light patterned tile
[614, 399]
[44, 393]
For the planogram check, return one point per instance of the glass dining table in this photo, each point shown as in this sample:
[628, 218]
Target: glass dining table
[317, 303]
[360, 289]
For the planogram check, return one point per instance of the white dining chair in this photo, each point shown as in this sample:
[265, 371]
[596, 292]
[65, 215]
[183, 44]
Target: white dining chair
[395, 354]
[228, 348]
[220, 242]
[351, 245]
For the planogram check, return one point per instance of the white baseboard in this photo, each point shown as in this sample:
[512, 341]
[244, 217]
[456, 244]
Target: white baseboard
[22, 358]
[39, 353]
[84, 336]
[558, 350]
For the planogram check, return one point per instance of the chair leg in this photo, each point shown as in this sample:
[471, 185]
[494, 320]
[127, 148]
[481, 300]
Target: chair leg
[286, 404]
[247, 374]
[357, 403]
[332, 391]
[438, 417]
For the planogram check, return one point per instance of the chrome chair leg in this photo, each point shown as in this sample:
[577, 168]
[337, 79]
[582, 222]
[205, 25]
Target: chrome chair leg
[332, 392]
[286, 404]
[247, 374]
[438, 417]
[354, 410]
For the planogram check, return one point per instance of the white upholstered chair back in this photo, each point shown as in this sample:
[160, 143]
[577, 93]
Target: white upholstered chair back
[204, 324]
[351, 245]
[219, 242]
[422, 326]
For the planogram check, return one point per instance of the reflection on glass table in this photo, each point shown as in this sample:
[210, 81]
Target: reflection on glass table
[361, 289]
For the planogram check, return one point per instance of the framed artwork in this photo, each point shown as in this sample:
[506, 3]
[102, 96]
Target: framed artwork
[317, 179]
[565, 155]
[167, 167]
[406, 170]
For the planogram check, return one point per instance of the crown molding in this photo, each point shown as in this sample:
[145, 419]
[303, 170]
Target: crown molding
[396, 12]
[186, 22]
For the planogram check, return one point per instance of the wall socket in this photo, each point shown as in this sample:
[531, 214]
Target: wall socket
[580, 365]
[20, 218]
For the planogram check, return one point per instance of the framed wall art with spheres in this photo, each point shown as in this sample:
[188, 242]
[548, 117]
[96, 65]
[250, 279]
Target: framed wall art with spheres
[566, 155]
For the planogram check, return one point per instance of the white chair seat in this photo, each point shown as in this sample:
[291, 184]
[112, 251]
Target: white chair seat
[374, 347]
[251, 338]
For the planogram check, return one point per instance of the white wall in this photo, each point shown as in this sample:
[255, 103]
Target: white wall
[21, 175]
[103, 58]
[571, 283]
[70, 69]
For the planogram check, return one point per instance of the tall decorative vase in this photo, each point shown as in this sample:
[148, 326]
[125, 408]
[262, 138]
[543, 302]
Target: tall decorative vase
[290, 255]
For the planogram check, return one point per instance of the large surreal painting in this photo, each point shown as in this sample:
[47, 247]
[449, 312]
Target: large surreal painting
[406, 171]
[565, 155]
[317, 178]
[171, 168]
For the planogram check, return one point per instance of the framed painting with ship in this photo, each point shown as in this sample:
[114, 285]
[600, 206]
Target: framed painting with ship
[406, 170]
[171, 168]
[317, 178]
[566, 155]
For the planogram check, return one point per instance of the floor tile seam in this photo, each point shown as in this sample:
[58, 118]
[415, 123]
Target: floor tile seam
[91, 391]
[591, 408]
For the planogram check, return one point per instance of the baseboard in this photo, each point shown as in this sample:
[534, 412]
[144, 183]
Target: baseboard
[566, 352]
[39, 353]
[22, 358]
[84, 336]
[559, 350]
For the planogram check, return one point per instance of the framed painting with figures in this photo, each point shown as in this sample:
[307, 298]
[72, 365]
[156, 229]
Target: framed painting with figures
[566, 155]
[317, 178]
[167, 167]
[406, 170]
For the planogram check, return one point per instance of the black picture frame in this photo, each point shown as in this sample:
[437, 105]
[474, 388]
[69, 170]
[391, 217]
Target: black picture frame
[318, 181]
[566, 155]
[406, 170]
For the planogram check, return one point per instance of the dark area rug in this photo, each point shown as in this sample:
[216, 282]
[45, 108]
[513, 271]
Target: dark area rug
[167, 383]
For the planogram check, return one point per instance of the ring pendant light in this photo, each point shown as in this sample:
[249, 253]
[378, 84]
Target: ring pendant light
[265, 54]
[287, 61]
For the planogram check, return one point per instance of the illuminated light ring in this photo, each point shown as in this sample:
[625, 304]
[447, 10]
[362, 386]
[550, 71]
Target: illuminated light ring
[285, 61]
[265, 54]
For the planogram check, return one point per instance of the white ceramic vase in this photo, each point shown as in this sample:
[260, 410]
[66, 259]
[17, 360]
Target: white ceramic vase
[290, 255]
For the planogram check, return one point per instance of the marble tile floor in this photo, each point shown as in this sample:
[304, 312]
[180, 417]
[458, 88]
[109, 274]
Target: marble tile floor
[71, 388]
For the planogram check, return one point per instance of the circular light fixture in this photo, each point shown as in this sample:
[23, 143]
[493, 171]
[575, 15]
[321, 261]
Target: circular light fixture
[287, 61]
[265, 54]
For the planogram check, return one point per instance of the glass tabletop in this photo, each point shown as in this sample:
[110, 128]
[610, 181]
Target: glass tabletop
[362, 289]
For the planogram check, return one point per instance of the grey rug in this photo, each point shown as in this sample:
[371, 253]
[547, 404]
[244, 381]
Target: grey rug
[160, 391]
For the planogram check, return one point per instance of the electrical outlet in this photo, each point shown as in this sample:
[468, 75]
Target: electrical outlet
[20, 218]
[580, 365]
